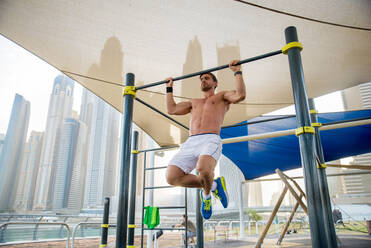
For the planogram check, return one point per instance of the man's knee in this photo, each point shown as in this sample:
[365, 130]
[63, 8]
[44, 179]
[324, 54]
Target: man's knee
[204, 170]
[206, 164]
[172, 179]
[173, 175]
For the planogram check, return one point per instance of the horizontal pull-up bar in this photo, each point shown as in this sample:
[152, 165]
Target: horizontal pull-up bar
[292, 131]
[353, 166]
[210, 70]
[260, 121]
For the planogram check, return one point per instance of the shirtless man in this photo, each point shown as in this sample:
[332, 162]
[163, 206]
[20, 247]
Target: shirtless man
[204, 145]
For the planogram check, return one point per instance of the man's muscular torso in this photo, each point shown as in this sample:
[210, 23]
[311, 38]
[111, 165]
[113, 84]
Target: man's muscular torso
[207, 114]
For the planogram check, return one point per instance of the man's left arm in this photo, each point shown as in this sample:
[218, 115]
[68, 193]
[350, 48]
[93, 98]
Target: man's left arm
[235, 96]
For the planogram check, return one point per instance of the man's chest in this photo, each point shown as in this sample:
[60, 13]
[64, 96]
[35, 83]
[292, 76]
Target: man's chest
[209, 104]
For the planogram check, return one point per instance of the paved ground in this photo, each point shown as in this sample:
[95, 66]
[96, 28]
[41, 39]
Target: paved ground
[172, 240]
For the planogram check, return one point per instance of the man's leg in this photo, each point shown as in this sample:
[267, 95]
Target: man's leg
[205, 167]
[176, 177]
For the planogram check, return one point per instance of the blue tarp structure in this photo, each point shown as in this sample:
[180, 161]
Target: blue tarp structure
[261, 157]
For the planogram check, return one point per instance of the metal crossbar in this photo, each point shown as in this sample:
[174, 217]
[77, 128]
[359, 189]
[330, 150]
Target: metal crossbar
[161, 113]
[210, 70]
[156, 168]
[159, 187]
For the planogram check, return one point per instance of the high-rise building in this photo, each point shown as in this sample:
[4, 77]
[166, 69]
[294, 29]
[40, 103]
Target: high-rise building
[12, 150]
[102, 122]
[65, 157]
[29, 171]
[77, 188]
[2, 138]
[357, 188]
[60, 108]
[255, 194]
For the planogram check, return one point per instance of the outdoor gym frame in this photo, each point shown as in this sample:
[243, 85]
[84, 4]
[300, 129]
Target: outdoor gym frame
[320, 223]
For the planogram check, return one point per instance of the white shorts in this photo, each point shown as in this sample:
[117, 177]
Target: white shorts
[195, 146]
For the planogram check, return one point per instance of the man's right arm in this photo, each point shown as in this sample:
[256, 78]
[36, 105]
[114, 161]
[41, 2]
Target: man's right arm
[174, 108]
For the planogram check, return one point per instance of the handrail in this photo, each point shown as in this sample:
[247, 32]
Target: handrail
[85, 223]
[42, 223]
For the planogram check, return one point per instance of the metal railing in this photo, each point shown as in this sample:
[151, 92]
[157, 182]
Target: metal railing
[5, 225]
[86, 224]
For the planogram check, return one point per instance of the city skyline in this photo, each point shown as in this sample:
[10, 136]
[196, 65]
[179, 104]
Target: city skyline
[334, 98]
[33, 84]
[63, 151]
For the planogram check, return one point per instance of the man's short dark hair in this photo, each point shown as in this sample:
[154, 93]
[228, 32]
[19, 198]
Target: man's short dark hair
[212, 75]
[184, 215]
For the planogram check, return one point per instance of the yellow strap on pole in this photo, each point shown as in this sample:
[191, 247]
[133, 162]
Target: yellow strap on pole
[103, 246]
[134, 151]
[304, 129]
[132, 226]
[105, 225]
[292, 45]
[129, 90]
[130, 246]
[313, 111]
[316, 124]
[321, 166]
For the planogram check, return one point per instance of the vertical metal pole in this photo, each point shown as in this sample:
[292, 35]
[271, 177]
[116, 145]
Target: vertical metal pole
[133, 180]
[199, 222]
[322, 179]
[143, 196]
[186, 217]
[122, 213]
[105, 222]
[242, 223]
[306, 142]
[151, 180]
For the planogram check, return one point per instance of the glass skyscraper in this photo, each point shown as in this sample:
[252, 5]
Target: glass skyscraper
[12, 150]
[28, 171]
[60, 108]
[102, 122]
[65, 156]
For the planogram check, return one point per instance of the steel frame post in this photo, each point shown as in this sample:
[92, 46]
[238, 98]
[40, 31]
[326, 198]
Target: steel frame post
[322, 179]
[122, 213]
[105, 224]
[199, 222]
[306, 142]
[133, 182]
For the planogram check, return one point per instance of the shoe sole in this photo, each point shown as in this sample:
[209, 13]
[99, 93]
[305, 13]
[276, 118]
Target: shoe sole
[224, 188]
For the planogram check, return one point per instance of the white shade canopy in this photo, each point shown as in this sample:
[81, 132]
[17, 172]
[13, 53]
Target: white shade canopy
[97, 42]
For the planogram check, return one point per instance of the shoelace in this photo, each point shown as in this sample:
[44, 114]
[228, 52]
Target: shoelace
[207, 204]
[216, 194]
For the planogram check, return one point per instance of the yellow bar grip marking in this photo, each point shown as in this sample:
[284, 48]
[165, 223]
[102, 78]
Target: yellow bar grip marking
[105, 225]
[129, 90]
[316, 124]
[292, 45]
[305, 129]
[321, 166]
